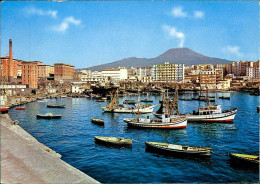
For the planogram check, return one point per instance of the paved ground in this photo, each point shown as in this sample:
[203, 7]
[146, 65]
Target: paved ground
[25, 160]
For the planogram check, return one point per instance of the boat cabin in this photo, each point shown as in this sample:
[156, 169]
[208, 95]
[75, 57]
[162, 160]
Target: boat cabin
[213, 109]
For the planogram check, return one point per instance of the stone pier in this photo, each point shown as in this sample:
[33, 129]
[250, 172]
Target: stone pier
[25, 160]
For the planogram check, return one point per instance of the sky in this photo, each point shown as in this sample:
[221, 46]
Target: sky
[90, 33]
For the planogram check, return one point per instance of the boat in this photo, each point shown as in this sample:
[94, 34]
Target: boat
[113, 140]
[114, 107]
[164, 123]
[146, 100]
[97, 121]
[4, 110]
[244, 160]
[182, 150]
[186, 99]
[224, 97]
[55, 106]
[42, 101]
[129, 102]
[212, 113]
[20, 108]
[48, 116]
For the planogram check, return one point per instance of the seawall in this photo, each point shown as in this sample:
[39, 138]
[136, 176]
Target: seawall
[25, 160]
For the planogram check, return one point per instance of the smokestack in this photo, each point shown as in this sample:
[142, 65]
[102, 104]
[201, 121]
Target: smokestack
[10, 63]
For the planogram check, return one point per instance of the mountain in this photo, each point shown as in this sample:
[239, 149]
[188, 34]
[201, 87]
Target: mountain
[177, 55]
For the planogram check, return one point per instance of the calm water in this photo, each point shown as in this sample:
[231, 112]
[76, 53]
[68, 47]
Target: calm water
[73, 137]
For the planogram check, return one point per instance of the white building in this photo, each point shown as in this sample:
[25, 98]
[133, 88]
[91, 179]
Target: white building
[144, 74]
[168, 72]
[114, 74]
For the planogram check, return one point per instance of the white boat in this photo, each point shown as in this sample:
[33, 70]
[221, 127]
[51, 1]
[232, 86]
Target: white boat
[114, 107]
[165, 122]
[212, 113]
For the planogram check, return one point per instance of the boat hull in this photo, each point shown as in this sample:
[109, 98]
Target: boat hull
[178, 124]
[113, 141]
[97, 121]
[130, 110]
[179, 150]
[48, 116]
[20, 108]
[244, 160]
[218, 118]
[56, 106]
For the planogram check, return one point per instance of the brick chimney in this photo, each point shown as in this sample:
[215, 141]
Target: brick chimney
[10, 63]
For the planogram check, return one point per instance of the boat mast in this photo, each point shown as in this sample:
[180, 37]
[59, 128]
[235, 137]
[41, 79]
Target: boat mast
[207, 96]
[175, 104]
[113, 102]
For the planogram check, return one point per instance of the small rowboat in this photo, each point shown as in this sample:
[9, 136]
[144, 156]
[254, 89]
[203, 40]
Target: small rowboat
[55, 106]
[4, 110]
[20, 108]
[178, 149]
[113, 140]
[97, 121]
[48, 116]
[244, 160]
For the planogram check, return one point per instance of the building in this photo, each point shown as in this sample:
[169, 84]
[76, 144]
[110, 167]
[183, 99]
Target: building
[114, 74]
[168, 72]
[30, 73]
[63, 71]
[208, 79]
[223, 84]
[45, 71]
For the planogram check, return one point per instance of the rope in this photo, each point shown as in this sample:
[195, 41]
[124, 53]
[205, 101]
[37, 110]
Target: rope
[219, 153]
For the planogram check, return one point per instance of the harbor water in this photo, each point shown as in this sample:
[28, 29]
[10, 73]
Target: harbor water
[72, 136]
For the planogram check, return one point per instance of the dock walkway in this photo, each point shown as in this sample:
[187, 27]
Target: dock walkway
[25, 160]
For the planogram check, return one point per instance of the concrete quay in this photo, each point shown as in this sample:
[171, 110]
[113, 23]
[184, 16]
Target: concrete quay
[25, 160]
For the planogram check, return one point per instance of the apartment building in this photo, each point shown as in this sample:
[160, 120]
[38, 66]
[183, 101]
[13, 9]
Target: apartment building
[208, 79]
[114, 74]
[63, 71]
[30, 73]
[45, 71]
[168, 72]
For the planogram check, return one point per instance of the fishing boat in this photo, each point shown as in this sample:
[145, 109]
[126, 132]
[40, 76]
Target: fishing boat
[113, 140]
[242, 159]
[55, 106]
[97, 121]
[48, 116]
[114, 107]
[186, 99]
[212, 113]
[224, 97]
[20, 108]
[164, 123]
[178, 149]
[146, 100]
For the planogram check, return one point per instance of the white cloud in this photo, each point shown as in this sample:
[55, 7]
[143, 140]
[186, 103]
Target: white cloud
[198, 14]
[65, 24]
[178, 12]
[36, 11]
[235, 50]
[172, 32]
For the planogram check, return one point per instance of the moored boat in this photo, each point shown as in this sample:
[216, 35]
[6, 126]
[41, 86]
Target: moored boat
[48, 116]
[146, 100]
[178, 149]
[129, 102]
[244, 160]
[164, 123]
[97, 121]
[4, 110]
[113, 140]
[55, 106]
[20, 108]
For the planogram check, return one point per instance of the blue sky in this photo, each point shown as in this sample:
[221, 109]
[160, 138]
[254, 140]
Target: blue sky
[88, 33]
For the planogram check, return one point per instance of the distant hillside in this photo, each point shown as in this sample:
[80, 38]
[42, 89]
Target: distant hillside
[178, 55]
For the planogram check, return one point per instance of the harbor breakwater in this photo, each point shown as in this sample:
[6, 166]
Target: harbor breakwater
[25, 160]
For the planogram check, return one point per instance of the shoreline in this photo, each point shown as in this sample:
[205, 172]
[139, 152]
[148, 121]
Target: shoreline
[25, 160]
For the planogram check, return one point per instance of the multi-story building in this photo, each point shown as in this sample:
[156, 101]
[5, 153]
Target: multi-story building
[168, 72]
[208, 79]
[239, 68]
[114, 74]
[30, 73]
[219, 74]
[45, 71]
[63, 71]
